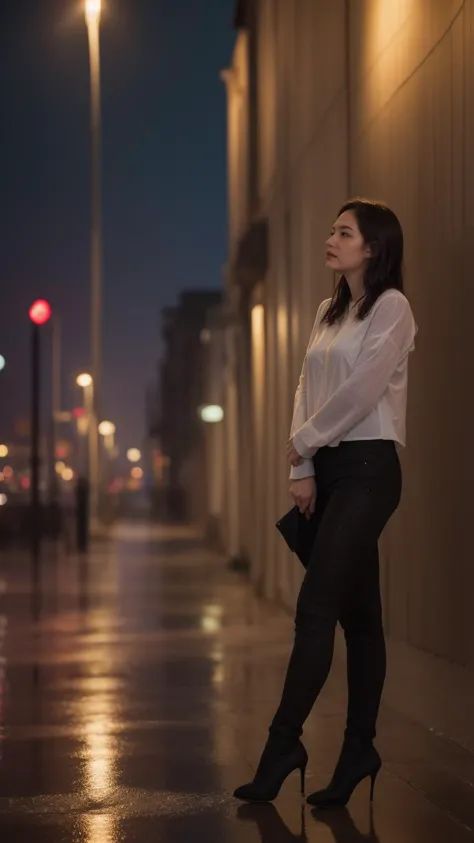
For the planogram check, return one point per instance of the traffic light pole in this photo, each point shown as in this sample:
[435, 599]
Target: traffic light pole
[39, 313]
[35, 450]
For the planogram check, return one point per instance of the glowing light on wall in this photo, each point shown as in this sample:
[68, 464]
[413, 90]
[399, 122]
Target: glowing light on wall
[211, 413]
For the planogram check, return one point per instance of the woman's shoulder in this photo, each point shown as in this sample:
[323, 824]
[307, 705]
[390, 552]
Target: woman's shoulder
[393, 294]
[392, 300]
[392, 310]
[323, 309]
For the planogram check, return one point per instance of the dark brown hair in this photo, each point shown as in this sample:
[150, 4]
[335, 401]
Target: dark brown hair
[381, 230]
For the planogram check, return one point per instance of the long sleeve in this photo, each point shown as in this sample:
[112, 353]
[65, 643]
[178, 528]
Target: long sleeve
[388, 339]
[306, 468]
[300, 407]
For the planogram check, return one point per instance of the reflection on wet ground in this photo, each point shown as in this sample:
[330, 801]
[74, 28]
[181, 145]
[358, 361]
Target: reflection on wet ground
[137, 694]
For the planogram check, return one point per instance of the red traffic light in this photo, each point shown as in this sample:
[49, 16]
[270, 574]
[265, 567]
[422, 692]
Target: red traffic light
[40, 312]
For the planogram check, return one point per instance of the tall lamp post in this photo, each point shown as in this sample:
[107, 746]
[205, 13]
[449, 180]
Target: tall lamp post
[55, 403]
[93, 10]
[107, 430]
[86, 382]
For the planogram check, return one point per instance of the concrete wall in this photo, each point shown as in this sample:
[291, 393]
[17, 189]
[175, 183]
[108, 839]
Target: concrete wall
[372, 97]
[411, 138]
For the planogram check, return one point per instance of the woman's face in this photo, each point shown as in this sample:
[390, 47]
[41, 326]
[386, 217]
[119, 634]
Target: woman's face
[346, 251]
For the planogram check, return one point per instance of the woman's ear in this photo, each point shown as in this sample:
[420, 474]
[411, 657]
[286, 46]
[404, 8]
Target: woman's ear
[371, 250]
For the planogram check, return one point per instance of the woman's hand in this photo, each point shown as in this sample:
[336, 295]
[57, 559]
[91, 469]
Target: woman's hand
[292, 454]
[303, 493]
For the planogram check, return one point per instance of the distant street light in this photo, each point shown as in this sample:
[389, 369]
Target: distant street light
[3, 451]
[2, 362]
[86, 383]
[106, 428]
[134, 455]
[87, 425]
[84, 380]
[107, 431]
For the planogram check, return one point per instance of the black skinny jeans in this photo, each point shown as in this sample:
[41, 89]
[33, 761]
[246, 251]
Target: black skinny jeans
[358, 488]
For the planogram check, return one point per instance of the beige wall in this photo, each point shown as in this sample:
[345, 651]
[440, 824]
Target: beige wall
[236, 79]
[403, 134]
[412, 110]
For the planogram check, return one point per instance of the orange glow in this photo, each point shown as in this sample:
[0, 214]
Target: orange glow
[93, 9]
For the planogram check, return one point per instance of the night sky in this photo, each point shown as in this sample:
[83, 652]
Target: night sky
[164, 184]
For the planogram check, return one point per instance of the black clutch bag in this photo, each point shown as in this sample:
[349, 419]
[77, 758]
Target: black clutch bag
[299, 533]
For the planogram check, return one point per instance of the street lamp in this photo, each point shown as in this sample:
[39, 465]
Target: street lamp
[134, 455]
[93, 9]
[92, 14]
[87, 385]
[84, 380]
[107, 430]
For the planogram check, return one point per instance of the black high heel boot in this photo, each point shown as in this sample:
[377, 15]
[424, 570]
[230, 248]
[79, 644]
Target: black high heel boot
[276, 764]
[357, 761]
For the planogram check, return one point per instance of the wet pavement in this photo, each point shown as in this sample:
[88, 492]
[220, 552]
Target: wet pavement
[137, 696]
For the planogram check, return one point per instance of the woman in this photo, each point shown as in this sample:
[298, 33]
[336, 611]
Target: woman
[349, 412]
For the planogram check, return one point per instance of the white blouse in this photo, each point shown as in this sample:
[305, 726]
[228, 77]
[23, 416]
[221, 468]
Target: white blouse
[353, 384]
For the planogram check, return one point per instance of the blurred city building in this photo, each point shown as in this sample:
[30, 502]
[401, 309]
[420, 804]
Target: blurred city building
[179, 451]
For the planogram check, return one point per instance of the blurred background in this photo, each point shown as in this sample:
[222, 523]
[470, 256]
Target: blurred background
[114, 212]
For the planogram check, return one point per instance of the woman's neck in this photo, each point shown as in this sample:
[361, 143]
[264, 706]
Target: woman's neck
[356, 285]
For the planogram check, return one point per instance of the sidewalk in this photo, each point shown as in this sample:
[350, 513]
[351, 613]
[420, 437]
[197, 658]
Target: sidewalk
[139, 694]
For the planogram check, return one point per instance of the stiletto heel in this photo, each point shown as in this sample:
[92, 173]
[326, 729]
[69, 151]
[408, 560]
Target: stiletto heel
[356, 762]
[275, 766]
[373, 778]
